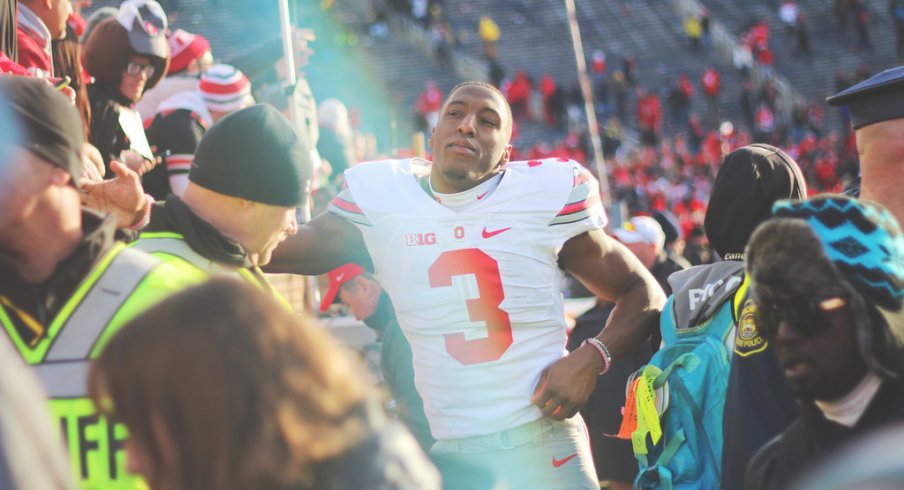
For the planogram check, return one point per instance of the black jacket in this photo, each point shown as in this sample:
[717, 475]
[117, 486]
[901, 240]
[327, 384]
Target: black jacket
[42, 302]
[175, 216]
[106, 133]
[811, 438]
[398, 370]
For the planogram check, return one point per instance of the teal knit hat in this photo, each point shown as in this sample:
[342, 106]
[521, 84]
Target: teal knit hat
[864, 243]
[863, 240]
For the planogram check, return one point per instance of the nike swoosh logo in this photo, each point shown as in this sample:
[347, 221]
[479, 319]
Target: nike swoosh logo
[560, 462]
[481, 196]
[490, 234]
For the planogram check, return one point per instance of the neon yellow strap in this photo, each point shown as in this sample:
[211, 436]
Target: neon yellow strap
[35, 354]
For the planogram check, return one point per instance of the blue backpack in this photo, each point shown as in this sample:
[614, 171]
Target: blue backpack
[674, 408]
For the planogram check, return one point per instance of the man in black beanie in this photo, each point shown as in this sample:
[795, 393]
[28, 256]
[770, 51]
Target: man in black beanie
[248, 177]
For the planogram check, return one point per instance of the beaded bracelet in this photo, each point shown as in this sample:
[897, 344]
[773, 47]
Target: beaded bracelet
[604, 352]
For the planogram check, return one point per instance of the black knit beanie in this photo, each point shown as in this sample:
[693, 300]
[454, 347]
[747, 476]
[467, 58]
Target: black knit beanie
[254, 154]
[749, 181]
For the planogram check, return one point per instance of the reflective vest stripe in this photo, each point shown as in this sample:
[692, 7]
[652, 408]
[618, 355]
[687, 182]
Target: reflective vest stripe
[65, 379]
[84, 327]
[174, 244]
[169, 243]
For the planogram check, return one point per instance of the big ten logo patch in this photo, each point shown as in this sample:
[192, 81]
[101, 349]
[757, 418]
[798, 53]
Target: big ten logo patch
[454, 233]
[95, 445]
[418, 239]
[748, 341]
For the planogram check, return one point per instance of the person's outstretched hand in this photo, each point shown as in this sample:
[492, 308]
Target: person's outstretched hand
[122, 196]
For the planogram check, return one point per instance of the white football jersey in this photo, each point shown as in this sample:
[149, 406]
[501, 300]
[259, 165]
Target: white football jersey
[476, 292]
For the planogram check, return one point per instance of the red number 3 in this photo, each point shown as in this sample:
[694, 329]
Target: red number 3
[485, 307]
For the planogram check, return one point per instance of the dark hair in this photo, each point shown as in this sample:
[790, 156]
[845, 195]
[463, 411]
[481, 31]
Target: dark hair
[108, 52]
[246, 394]
[67, 62]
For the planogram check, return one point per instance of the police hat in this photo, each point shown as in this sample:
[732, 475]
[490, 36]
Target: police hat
[875, 99]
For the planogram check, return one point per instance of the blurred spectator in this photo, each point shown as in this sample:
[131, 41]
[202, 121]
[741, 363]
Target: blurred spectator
[65, 283]
[182, 120]
[629, 68]
[697, 250]
[758, 402]
[441, 38]
[840, 9]
[40, 22]
[190, 56]
[896, 12]
[803, 38]
[706, 35]
[742, 58]
[711, 82]
[75, 21]
[427, 107]
[693, 31]
[67, 62]
[337, 140]
[680, 94]
[365, 298]
[126, 55]
[28, 439]
[649, 117]
[548, 92]
[645, 239]
[621, 88]
[489, 33]
[519, 95]
[788, 13]
[222, 388]
[613, 458]
[860, 13]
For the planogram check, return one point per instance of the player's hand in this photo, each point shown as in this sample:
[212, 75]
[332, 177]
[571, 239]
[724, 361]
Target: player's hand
[566, 385]
[122, 196]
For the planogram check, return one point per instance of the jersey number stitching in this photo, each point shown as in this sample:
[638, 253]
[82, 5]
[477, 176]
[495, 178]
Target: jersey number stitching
[485, 307]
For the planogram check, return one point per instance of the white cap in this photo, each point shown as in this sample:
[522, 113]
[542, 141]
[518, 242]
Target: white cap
[641, 229]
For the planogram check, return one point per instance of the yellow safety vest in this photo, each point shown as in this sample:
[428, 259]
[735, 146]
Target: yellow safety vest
[123, 283]
[170, 246]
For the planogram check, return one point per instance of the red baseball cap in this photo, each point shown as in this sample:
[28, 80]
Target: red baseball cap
[338, 277]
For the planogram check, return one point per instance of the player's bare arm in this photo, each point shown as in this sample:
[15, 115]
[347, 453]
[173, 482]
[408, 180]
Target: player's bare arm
[613, 273]
[322, 244]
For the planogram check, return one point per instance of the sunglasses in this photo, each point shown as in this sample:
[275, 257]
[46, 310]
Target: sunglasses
[134, 68]
[808, 316]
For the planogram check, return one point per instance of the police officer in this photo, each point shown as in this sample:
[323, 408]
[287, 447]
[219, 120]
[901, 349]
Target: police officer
[65, 283]
[876, 106]
[248, 176]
